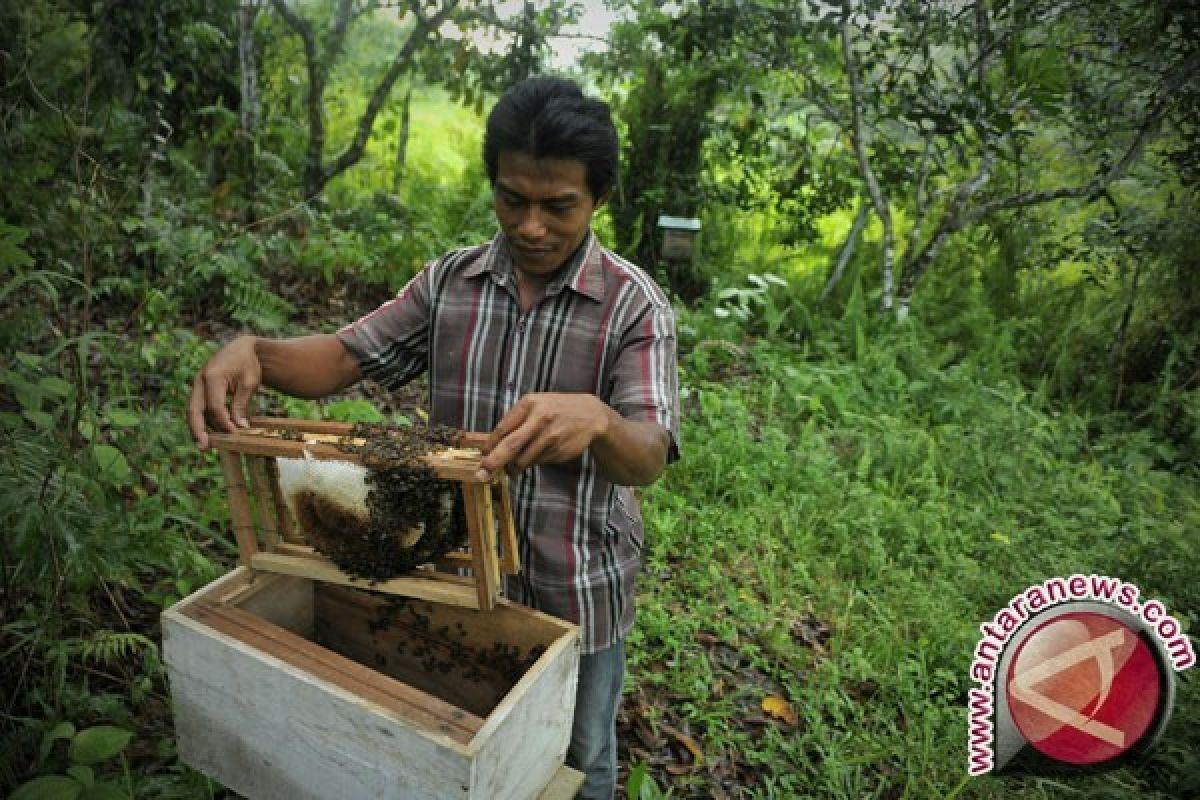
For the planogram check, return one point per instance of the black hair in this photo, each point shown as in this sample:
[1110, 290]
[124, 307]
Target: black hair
[548, 117]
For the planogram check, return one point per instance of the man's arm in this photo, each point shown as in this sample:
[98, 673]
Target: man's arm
[309, 366]
[555, 428]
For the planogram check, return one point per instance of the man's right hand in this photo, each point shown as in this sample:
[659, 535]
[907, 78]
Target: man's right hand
[234, 369]
[306, 366]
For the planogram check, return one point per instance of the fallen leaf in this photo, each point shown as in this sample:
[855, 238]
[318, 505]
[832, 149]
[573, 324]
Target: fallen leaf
[779, 708]
[686, 741]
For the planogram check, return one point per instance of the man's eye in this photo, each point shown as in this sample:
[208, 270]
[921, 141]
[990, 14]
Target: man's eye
[560, 208]
[512, 201]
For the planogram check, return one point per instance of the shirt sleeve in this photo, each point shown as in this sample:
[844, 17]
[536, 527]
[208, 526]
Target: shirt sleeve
[392, 342]
[645, 379]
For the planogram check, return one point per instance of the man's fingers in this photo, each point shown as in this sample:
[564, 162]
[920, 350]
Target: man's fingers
[241, 401]
[507, 450]
[195, 414]
[216, 389]
[512, 420]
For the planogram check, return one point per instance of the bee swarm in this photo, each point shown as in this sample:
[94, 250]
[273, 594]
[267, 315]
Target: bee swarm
[382, 520]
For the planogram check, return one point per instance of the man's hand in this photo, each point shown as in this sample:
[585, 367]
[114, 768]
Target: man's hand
[547, 428]
[307, 366]
[234, 369]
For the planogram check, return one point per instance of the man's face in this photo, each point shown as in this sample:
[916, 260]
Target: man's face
[544, 208]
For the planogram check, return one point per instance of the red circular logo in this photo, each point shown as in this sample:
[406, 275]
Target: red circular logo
[1083, 688]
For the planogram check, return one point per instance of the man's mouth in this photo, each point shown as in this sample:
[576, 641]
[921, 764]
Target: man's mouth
[533, 251]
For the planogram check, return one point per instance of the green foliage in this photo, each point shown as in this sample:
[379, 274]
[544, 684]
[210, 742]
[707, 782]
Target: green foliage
[871, 481]
[853, 498]
[86, 750]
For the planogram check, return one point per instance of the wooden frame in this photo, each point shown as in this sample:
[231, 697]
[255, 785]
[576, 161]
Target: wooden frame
[269, 540]
[285, 687]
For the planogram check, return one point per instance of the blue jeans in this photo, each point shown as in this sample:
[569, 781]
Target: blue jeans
[593, 749]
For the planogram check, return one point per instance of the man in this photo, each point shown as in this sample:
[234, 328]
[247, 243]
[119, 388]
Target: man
[558, 347]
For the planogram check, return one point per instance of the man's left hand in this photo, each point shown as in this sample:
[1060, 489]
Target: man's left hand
[545, 428]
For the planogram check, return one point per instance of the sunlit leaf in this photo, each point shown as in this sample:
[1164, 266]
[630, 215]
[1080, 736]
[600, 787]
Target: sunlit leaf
[779, 708]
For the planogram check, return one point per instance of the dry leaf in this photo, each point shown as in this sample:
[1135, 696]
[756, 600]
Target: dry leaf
[686, 741]
[779, 708]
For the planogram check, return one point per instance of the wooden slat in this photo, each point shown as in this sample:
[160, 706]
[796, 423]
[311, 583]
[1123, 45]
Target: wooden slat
[480, 567]
[239, 506]
[302, 425]
[564, 785]
[413, 705]
[447, 467]
[487, 521]
[286, 529]
[472, 439]
[266, 513]
[437, 591]
[465, 438]
[298, 550]
[508, 530]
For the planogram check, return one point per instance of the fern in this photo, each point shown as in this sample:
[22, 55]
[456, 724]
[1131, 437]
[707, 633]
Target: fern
[248, 301]
[110, 647]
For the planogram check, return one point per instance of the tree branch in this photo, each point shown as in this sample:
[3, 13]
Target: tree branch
[354, 152]
[858, 136]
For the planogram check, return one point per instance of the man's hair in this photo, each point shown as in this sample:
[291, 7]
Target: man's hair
[548, 117]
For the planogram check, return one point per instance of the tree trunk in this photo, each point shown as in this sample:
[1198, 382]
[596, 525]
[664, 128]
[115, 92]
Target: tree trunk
[402, 145]
[859, 134]
[250, 107]
[860, 222]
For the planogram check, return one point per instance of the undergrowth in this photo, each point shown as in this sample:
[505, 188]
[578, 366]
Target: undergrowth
[900, 502]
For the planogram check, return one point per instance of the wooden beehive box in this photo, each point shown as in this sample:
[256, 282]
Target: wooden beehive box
[270, 539]
[287, 687]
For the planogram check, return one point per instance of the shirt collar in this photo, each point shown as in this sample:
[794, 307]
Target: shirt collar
[583, 274]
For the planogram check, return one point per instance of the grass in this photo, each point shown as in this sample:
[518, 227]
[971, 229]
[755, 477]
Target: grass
[836, 531]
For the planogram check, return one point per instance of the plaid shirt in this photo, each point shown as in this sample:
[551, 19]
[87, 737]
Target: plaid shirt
[603, 327]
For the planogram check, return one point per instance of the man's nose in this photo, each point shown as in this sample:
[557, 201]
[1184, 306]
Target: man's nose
[531, 226]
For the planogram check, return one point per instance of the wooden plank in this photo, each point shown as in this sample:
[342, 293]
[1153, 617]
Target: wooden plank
[525, 738]
[265, 509]
[298, 550]
[480, 569]
[239, 506]
[417, 707]
[508, 529]
[472, 439]
[437, 591]
[487, 521]
[302, 425]
[454, 467]
[565, 784]
[283, 600]
[287, 529]
[465, 438]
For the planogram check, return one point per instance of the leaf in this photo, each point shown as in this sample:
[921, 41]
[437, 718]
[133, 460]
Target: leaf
[63, 730]
[93, 745]
[85, 775]
[779, 708]
[120, 418]
[48, 787]
[111, 462]
[105, 790]
[686, 741]
[56, 386]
